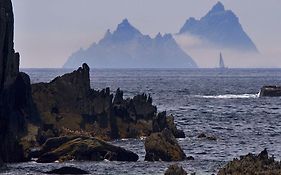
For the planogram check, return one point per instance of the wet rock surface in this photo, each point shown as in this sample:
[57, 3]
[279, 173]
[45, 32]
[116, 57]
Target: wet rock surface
[82, 148]
[67, 170]
[260, 164]
[163, 146]
[270, 91]
[175, 170]
[69, 106]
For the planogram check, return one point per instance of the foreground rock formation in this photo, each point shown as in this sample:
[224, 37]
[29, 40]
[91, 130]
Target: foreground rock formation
[260, 164]
[175, 170]
[68, 106]
[16, 105]
[270, 91]
[81, 148]
[163, 146]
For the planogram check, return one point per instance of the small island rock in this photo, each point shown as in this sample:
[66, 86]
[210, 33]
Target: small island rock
[175, 170]
[163, 146]
[252, 164]
[270, 91]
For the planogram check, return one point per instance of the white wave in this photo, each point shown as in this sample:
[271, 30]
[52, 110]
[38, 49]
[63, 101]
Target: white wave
[229, 96]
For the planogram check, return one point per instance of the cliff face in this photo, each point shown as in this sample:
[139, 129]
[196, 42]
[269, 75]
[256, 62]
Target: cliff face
[68, 106]
[16, 105]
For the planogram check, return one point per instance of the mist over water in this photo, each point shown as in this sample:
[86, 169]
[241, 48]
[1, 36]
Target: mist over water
[219, 103]
[206, 54]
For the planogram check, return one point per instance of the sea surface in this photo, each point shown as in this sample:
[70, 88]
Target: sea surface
[220, 103]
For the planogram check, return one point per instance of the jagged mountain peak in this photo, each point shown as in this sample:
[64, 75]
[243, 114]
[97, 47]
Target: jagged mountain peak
[126, 26]
[158, 36]
[218, 7]
[220, 28]
[127, 47]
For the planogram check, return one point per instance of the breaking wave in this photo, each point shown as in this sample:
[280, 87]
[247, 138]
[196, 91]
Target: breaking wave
[229, 96]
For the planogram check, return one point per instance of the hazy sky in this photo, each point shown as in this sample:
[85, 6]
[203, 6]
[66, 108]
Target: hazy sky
[48, 31]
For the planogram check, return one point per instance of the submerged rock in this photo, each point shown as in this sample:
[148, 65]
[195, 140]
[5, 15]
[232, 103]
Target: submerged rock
[175, 170]
[163, 146]
[68, 106]
[82, 148]
[270, 91]
[67, 170]
[207, 137]
[252, 164]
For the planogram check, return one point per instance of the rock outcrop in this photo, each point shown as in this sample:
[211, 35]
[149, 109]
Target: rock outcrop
[82, 148]
[270, 91]
[260, 164]
[67, 170]
[175, 170]
[163, 146]
[16, 104]
[68, 106]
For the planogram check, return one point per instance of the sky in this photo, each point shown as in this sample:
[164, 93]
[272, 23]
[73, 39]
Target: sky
[47, 32]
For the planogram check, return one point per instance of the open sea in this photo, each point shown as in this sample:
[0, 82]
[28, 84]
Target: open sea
[220, 103]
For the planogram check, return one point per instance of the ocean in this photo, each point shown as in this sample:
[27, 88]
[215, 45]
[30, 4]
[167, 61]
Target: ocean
[220, 103]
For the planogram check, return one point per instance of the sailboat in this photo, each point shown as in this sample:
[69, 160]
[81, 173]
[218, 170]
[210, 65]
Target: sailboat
[221, 63]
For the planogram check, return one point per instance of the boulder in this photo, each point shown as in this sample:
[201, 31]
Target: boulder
[163, 146]
[175, 170]
[270, 91]
[252, 164]
[82, 148]
[16, 104]
[73, 108]
[67, 170]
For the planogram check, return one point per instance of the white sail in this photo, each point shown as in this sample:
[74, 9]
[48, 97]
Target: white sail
[221, 64]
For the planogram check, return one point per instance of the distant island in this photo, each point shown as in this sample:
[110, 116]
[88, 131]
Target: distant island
[219, 28]
[127, 47]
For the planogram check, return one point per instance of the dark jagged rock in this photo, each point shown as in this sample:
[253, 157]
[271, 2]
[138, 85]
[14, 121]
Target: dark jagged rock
[82, 148]
[67, 170]
[16, 104]
[260, 164]
[207, 137]
[175, 170]
[163, 146]
[190, 158]
[74, 108]
[270, 91]
[162, 121]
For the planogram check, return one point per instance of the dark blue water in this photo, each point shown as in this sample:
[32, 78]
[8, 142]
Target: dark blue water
[220, 103]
